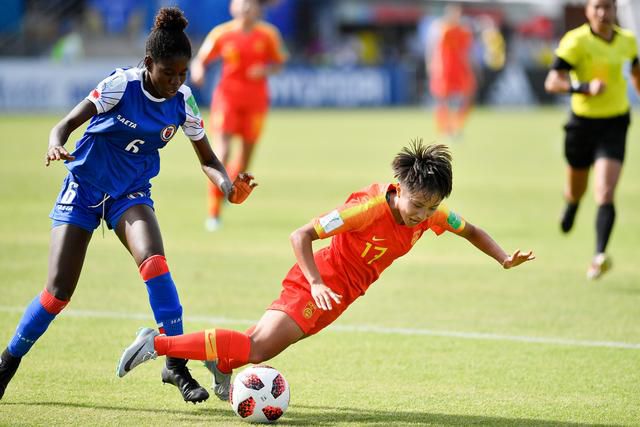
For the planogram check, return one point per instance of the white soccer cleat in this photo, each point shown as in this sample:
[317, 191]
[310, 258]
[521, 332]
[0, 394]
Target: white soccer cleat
[212, 224]
[141, 350]
[221, 384]
[600, 264]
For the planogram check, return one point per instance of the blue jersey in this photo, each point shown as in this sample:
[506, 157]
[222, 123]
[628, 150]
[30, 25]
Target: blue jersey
[118, 152]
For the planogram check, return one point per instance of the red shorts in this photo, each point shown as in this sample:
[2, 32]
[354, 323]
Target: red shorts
[296, 301]
[236, 118]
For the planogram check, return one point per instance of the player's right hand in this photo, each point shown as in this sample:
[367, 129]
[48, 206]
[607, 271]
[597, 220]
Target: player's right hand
[57, 152]
[596, 87]
[322, 295]
[517, 258]
[241, 188]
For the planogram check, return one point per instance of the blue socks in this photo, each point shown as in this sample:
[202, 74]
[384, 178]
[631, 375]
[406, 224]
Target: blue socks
[163, 295]
[35, 321]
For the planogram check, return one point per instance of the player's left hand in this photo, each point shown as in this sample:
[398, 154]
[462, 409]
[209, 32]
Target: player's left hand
[322, 295]
[57, 152]
[517, 258]
[242, 188]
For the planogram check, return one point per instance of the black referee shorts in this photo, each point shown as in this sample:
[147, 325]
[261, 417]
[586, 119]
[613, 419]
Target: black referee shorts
[589, 139]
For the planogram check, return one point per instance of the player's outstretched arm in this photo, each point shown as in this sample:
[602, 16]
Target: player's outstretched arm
[558, 81]
[212, 166]
[301, 241]
[481, 240]
[517, 258]
[61, 131]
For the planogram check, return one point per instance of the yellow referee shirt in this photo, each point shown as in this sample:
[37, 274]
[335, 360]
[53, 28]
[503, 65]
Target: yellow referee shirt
[592, 57]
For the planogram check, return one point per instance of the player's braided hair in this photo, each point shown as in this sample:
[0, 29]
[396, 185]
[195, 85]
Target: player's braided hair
[424, 168]
[167, 38]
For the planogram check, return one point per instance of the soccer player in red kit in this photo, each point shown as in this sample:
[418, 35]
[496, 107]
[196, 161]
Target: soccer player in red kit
[375, 226]
[250, 50]
[451, 79]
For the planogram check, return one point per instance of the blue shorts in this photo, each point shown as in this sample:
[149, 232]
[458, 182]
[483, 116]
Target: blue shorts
[81, 204]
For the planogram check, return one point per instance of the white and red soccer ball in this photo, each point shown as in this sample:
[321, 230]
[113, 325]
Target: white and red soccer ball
[259, 394]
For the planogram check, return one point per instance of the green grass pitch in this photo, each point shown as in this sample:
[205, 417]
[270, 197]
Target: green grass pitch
[462, 343]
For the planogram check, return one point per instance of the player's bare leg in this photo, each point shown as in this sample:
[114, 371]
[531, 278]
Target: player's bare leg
[63, 275]
[466, 105]
[443, 120]
[273, 333]
[139, 232]
[245, 154]
[575, 187]
[606, 176]
[225, 349]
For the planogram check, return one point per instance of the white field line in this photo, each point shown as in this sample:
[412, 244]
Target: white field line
[354, 328]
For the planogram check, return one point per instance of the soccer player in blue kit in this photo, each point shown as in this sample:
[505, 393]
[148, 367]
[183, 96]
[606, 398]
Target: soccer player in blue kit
[134, 112]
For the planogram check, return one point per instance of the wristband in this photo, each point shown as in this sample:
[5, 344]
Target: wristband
[577, 87]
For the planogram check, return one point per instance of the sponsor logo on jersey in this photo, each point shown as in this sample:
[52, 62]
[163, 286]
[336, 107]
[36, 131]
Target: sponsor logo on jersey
[64, 208]
[331, 221]
[167, 133]
[309, 309]
[126, 122]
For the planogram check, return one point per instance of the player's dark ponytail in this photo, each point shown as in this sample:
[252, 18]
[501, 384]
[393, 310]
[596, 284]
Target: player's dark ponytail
[167, 38]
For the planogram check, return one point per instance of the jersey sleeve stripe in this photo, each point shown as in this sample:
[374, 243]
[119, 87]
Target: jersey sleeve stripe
[359, 209]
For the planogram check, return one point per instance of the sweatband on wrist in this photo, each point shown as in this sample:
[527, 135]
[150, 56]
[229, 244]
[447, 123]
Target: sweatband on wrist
[578, 87]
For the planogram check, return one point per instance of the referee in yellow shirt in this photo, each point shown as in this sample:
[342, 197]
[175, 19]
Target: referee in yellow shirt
[589, 65]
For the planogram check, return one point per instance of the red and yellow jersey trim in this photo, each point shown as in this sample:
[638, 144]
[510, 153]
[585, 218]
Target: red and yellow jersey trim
[351, 216]
[210, 50]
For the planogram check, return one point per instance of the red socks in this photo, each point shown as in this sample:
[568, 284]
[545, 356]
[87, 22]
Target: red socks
[229, 348]
[50, 303]
[232, 348]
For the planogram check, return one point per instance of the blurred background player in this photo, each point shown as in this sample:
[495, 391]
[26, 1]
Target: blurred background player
[589, 65]
[451, 79]
[375, 226]
[250, 50]
[134, 113]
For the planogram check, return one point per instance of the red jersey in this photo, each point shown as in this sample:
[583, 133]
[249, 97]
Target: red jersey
[367, 239]
[240, 51]
[450, 69]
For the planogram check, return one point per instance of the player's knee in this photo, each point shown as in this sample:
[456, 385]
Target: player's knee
[260, 352]
[604, 195]
[574, 194]
[60, 287]
[150, 261]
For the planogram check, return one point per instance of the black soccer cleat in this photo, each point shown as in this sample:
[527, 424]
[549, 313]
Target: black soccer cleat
[568, 217]
[8, 367]
[176, 372]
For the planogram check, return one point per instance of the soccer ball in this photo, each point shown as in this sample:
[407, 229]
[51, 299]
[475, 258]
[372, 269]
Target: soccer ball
[259, 394]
